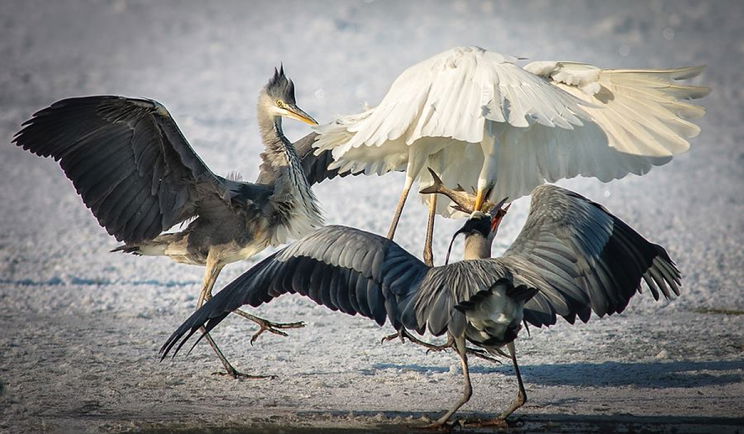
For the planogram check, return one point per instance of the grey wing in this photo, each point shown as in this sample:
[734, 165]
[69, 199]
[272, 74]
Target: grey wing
[315, 166]
[443, 291]
[582, 258]
[339, 267]
[128, 160]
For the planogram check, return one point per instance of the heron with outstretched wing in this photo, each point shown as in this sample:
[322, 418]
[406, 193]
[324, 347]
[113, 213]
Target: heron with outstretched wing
[139, 176]
[571, 257]
[482, 122]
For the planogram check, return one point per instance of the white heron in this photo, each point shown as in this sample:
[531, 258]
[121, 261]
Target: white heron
[484, 123]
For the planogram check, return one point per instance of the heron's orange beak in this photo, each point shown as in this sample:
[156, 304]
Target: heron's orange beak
[496, 221]
[294, 112]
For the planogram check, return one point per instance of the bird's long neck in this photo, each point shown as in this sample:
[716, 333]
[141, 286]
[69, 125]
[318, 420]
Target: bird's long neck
[477, 247]
[272, 138]
[294, 200]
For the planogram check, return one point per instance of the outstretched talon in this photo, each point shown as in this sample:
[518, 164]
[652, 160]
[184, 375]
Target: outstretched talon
[268, 326]
[273, 327]
[403, 335]
[481, 354]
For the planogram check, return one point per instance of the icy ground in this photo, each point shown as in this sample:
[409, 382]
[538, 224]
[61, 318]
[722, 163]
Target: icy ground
[81, 327]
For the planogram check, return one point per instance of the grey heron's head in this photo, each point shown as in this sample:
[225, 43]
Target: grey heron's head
[277, 99]
[481, 228]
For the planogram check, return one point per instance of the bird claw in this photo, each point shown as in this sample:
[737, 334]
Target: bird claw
[393, 336]
[403, 335]
[271, 327]
[481, 354]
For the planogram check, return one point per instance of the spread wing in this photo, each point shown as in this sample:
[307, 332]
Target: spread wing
[339, 267]
[572, 257]
[130, 163]
[641, 112]
[544, 122]
[581, 258]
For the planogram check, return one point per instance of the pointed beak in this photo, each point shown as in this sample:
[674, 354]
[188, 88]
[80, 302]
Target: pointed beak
[294, 112]
[497, 213]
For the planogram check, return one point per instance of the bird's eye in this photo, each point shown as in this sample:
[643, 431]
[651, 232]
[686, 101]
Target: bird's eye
[280, 103]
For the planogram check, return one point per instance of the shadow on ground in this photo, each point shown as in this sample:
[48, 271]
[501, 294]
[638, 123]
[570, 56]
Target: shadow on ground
[554, 423]
[646, 374]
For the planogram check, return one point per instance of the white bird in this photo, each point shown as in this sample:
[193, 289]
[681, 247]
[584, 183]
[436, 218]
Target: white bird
[482, 122]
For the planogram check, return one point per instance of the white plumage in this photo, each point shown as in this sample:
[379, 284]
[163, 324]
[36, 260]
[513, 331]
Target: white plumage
[479, 120]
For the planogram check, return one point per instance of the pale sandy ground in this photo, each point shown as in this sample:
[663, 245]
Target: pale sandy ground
[81, 327]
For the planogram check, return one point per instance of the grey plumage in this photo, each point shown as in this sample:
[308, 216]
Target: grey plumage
[139, 176]
[571, 257]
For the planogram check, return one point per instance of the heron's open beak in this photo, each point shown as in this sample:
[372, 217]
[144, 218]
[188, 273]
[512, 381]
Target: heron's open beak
[497, 214]
[294, 112]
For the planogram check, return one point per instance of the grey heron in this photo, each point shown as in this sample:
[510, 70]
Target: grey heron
[571, 257]
[482, 122]
[139, 176]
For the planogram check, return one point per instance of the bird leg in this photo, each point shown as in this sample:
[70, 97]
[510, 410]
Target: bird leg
[428, 254]
[403, 334]
[213, 269]
[518, 401]
[399, 209]
[460, 348]
[268, 326]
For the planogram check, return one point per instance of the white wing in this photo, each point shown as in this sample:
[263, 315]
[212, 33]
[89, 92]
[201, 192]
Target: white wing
[548, 121]
[642, 112]
[452, 95]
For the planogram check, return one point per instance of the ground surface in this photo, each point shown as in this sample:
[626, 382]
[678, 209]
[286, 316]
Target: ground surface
[81, 327]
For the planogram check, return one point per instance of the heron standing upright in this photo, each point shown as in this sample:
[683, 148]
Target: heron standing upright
[482, 122]
[571, 257]
[139, 176]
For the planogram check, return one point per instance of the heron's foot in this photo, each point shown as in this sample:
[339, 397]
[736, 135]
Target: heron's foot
[403, 335]
[274, 327]
[393, 336]
[237, 375]
[268, 326]
[482, 354]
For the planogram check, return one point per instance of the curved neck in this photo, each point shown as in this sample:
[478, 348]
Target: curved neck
[270, 128]
[477, 247]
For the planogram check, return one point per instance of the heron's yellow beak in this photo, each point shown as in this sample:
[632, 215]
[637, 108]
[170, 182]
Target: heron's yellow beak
[294, 112]
[479, 199]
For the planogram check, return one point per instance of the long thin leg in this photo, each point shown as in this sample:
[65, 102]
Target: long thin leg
[518, 401]
[213, 269]
[468, 390]
[428, 254]
[522, 395]
[401, 203]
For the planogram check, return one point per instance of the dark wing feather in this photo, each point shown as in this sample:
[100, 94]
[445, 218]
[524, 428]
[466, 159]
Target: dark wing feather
[339, 267]
[315, 166]
[129, 162]
[445, 288]
[582, 258]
